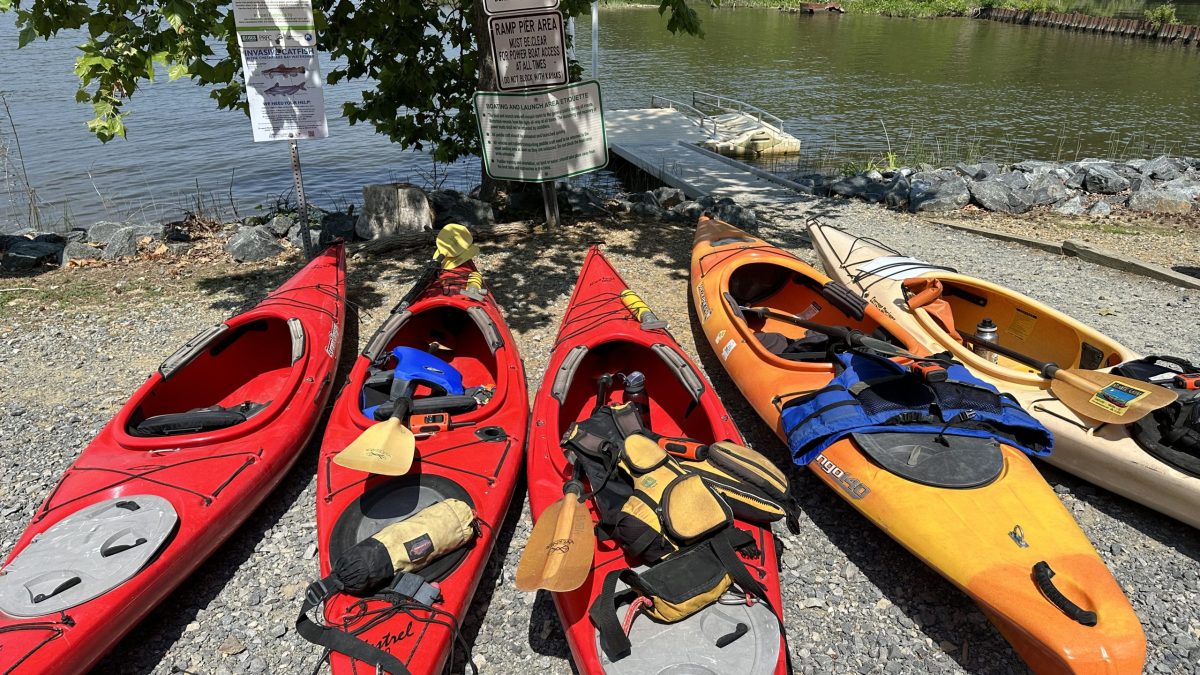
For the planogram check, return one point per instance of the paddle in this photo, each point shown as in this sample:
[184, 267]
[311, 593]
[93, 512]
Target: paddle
[854, 338]
[558, 556]
[387, 447]
[1104, 397]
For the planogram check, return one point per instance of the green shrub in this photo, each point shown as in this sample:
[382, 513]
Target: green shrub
[1162, 14]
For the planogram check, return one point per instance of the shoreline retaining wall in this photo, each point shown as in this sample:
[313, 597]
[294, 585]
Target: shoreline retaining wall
[1171, 32]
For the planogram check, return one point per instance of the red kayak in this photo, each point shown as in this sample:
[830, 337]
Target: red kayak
[188, 458]
[600, 336]
[472, 453]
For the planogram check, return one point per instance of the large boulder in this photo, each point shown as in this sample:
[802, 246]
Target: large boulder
[996, 196]
[736, 215]
[123, 243]
[1103, 180]
[936, 196]
[896, 194]
[391, 208]
[1163, 168]
[1013, 179]
[78, 250]
[452, 206]
[334, 225]
[1185, 185]
[28, 255]
[103, 230]
[583, 201]
[669, 197]
[1160, 201]
[1071, 207]
[8, 240]
[1101, 208]
[1045, 188]
[254, 243]
[688, 212]
[1037, 167]
[281, 224]
[850, 186]
[980, 171]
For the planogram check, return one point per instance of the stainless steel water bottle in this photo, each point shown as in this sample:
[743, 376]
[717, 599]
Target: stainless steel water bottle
[986, 330]
[635, 393]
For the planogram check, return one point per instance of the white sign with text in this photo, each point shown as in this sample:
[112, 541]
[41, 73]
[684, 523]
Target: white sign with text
[510, 6]
[266, 14]
[542, 136]
[529, 49]
[283, 88]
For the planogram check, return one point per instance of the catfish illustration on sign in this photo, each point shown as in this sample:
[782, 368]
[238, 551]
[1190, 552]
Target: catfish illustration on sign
[280, 90]
[284, 71]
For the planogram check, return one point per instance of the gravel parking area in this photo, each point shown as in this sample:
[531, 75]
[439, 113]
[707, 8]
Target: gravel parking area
[854, 600]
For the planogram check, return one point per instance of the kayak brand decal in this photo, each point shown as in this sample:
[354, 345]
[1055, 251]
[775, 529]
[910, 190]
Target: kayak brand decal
[720, 334]
[418, 548]
[390, 638]
[1116, 397]
[704, 308]
[851, 485]
[331, 348]
[728, 348]
[879, 306]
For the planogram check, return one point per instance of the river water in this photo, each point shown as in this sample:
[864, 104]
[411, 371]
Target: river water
[849, 86]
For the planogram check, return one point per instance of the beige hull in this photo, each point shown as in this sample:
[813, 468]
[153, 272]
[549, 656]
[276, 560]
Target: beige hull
[1102, 454]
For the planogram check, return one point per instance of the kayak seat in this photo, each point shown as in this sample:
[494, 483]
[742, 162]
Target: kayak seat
[196, 420]
[812, 347]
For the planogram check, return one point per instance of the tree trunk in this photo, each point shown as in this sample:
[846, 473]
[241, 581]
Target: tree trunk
[488, 187]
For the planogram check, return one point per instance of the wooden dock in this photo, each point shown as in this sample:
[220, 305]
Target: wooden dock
[662, 142]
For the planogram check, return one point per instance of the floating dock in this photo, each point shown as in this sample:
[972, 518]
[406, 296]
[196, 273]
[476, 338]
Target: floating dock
[665, 144]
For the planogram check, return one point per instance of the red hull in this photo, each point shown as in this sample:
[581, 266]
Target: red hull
[597, 319]
[214, 480]
[488, 471]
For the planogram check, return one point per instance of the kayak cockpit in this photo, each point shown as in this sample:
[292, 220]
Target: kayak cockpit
[453, 352]
[1026, 327]
[672, 387]
[225, 382]
[789, 291]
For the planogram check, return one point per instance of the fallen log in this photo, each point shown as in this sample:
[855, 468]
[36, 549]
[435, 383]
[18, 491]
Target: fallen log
[414, 239]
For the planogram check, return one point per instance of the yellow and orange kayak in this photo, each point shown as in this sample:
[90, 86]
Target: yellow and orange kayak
[1104, 454]
[989, 540]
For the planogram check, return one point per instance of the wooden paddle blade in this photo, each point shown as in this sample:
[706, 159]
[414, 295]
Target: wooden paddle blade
[559, 554]
[385, 448]
[1108, 398]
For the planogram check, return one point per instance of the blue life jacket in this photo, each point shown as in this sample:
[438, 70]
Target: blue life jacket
[872, 394]
[416, 366]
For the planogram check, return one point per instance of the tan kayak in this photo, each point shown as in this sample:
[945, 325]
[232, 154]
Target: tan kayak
[1103, 454]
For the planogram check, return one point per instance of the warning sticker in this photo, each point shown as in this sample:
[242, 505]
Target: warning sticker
[1022, 324]
[1117, 397]
[728, 348]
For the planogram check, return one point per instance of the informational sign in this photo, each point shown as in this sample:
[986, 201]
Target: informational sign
[283, 88]
[529, 49]
[509, 6]
[254, 15]
[542, 136]
[280, 66]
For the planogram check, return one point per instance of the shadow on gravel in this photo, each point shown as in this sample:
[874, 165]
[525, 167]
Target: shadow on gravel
[1188, 270]
[546, 636]
[491, 578]
[932, 604]
[241, 291]
[146, 645]
[1162, 528]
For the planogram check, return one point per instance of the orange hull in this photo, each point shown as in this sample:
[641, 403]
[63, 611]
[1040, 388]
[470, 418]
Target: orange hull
[985, 540]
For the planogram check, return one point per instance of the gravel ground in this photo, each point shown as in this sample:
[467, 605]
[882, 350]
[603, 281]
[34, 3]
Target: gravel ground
[854, 600]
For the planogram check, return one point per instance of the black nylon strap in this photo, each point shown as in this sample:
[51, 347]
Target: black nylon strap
[338, 640]
[613, 639]
[627, 419]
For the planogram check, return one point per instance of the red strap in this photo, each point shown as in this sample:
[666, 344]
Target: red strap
[631, 613]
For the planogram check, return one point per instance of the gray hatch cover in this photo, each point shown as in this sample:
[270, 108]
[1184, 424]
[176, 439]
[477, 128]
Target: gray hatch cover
[949, 462]
[85, 555]
[689, 647]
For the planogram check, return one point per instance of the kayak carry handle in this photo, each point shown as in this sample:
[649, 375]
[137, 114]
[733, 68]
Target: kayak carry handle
[1042, 575]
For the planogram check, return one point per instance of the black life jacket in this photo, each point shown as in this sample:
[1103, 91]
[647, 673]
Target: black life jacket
[1171, 434]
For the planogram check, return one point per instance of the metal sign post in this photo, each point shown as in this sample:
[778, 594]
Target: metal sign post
[550, 199]
[595, 38]
[298, 179]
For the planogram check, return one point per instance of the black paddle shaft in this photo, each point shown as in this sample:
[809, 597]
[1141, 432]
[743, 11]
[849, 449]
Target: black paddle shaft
[855, 338]
[1046, 369]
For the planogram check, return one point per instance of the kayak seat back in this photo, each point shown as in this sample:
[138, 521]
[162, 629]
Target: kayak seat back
[221, 379]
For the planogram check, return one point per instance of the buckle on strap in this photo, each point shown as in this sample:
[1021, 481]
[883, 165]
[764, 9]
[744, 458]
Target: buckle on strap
[415, 588]
[320, 590]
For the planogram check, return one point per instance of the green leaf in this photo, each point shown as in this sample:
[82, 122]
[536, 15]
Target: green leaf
[27, 34]
[176, 71]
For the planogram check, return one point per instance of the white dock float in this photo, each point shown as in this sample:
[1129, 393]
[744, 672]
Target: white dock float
[662, 142]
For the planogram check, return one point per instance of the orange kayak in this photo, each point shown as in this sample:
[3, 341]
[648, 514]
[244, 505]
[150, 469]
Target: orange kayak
[995, 540]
